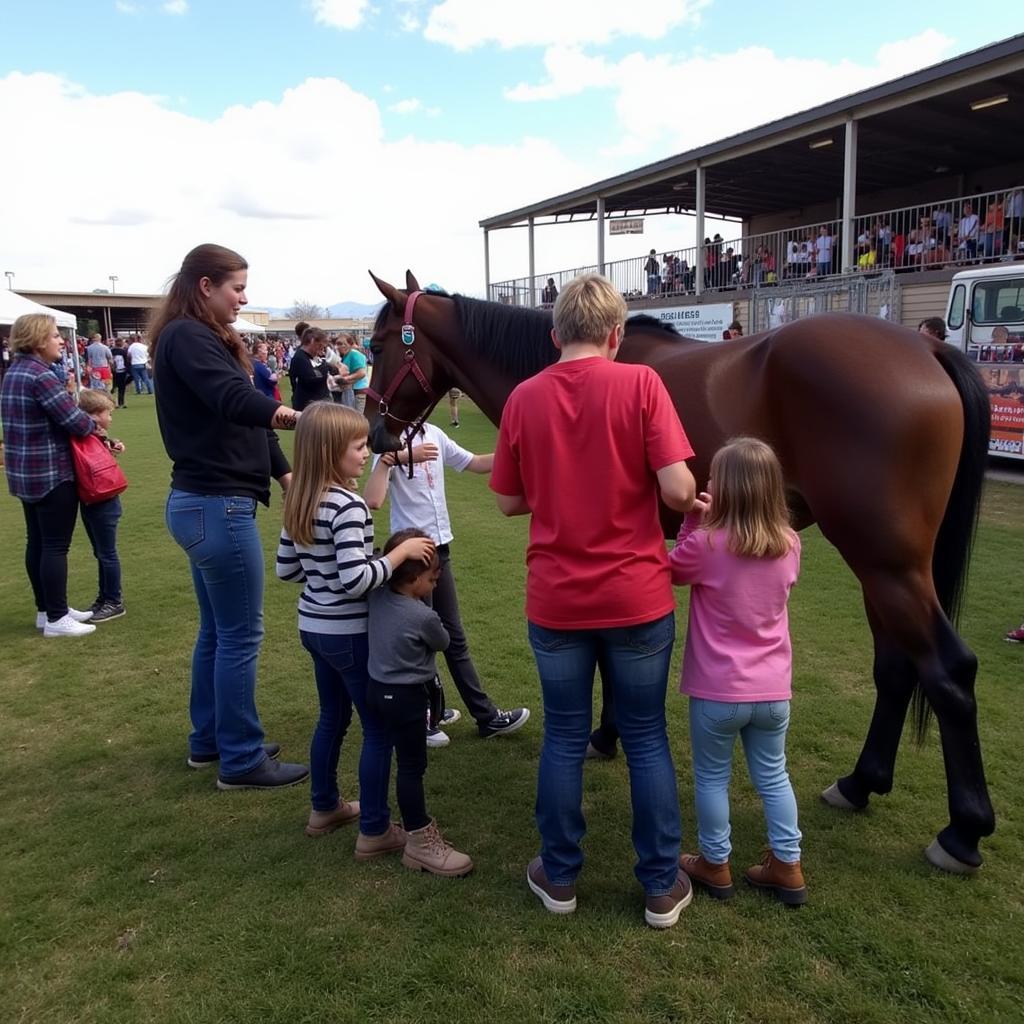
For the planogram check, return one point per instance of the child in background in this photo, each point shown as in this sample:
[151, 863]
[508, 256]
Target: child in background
[327, 543]
[101, 518]
[405, 635]
[741, 558]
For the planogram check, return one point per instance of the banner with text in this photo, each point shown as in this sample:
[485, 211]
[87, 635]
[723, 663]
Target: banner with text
[705, 323]
[626, 226]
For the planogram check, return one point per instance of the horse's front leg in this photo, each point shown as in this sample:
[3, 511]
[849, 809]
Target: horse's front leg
[895, 679]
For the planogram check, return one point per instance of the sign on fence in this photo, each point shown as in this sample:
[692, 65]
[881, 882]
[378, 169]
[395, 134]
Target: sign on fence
[705, 323]
[626, 226]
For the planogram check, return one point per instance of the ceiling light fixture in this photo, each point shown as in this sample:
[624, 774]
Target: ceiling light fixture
[820, 143]
[992, 101]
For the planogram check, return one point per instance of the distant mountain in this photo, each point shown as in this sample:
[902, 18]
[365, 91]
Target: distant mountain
[338, 311]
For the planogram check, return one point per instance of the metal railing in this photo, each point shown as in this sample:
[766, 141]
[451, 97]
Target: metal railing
[978, 228]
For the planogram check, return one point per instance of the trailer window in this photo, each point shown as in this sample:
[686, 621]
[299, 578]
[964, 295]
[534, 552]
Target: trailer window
[956, 309]
[999, 302]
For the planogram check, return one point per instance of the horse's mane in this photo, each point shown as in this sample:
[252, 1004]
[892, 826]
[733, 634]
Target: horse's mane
[651, 323]
[514, 339]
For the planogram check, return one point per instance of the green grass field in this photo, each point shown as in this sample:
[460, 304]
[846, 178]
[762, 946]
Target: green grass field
[130, 890]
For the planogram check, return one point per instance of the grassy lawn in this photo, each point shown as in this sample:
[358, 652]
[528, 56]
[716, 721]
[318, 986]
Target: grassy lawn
[130, 890]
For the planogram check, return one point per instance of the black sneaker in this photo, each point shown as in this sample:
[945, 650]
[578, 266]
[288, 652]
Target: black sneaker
[205, 760]
[107, 610]
[504, 722]
[270, 774]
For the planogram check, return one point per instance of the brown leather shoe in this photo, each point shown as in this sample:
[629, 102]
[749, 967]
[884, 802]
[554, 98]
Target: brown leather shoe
[323, 822]
[558, 899]
[714, 879]
[784, 879]
[376, 846]
[664, 911]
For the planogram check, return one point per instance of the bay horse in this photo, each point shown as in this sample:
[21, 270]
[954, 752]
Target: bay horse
[883, 438]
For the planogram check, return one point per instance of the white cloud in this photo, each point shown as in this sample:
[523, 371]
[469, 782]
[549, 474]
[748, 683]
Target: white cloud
[175, 7]
[343, 14]
[309, 217]
[124, 7]
[409, 106]
[668, 103]
[464, 24]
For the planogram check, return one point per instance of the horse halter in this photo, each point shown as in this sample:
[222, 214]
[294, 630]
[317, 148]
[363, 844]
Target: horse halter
[409, 365]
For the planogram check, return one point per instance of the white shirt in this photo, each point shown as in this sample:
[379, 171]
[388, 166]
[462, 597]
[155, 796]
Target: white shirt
[138, 353]
[823, 247]
[969, 227]
[419, 503]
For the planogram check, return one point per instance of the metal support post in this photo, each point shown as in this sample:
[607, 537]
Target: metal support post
[487, 265]
[600, 234]
[849, 193]
[698, 276]
[533, 284]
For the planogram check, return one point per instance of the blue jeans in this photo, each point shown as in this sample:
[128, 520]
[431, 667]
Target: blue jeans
[101, 527]
[140, 374]
[653, 287]
[762, 728]
[636, 659]
[220, 537]
[339, 666]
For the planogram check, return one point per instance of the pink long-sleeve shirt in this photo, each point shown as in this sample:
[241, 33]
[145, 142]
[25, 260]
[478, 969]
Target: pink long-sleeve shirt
[737, 641]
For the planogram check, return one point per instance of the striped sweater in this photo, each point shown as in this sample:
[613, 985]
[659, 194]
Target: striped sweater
[338, 568]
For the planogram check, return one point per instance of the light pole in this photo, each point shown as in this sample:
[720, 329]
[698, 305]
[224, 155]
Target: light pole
[113, 282]
[9, 274]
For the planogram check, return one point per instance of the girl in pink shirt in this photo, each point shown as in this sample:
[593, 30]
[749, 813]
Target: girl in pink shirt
[740, 558]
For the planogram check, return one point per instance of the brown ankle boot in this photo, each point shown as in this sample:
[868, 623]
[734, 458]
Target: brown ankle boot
[784, 879]
[389, 841]
[426, 850]
[321, 823]
[714, 879]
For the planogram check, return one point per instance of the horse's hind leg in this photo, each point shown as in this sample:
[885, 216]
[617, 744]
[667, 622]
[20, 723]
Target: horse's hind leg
[894, 684]
[905, 609]
[947, 679]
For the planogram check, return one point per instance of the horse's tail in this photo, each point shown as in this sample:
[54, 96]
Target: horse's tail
[956, 534]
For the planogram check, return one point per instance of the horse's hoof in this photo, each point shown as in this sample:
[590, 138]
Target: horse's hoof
[939, 858]
[834, 798]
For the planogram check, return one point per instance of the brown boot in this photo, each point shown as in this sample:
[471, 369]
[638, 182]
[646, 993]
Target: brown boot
[714, 879]
[784, 879]
[376, 846]
[426, 850]
[322, 822]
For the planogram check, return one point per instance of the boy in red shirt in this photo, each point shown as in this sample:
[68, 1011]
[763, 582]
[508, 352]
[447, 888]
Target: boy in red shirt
[598, 581]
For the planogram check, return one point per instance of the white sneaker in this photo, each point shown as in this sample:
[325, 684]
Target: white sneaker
[73, 612]
[67, 626]
[435, 738]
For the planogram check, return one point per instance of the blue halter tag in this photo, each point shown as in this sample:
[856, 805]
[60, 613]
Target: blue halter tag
[408, 334]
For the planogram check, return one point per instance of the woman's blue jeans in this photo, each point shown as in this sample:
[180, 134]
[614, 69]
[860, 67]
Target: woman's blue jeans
[220, 537]
[761, 726]
[339, 666]
[636, 659]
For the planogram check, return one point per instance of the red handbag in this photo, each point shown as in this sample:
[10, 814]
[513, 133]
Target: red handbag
[98, 475]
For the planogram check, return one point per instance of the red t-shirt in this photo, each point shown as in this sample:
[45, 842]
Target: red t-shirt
[581, 442]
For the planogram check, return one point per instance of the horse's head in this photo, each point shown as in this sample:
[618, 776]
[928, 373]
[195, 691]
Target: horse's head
[408, 376]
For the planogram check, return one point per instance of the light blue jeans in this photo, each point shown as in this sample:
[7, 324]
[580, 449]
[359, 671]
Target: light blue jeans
[220, 537]
[762, 727]
[636, 659]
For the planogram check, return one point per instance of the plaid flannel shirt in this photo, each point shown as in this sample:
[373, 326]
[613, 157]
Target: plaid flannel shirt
[38, 414]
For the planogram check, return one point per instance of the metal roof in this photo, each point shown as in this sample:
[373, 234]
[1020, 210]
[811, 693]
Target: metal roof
[908, 128]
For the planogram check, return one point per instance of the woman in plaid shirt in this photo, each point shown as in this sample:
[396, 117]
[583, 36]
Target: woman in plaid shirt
[38, 415]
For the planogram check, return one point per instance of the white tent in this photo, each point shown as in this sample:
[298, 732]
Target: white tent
[244, 326]
[13, 305]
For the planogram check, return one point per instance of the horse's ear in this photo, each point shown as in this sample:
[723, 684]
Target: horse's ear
[411, 284]
[389, 291]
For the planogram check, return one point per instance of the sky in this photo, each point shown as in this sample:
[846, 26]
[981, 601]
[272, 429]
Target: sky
[325, 138]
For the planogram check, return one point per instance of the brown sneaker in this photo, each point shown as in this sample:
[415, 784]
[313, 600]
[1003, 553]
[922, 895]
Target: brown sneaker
[376, 846]
[714, 879]
[558, 899]
[426, 850]
[785, 880]
[664, 911]
[323, 822]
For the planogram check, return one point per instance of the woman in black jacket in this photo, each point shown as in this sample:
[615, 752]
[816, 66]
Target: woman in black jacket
[217, 429]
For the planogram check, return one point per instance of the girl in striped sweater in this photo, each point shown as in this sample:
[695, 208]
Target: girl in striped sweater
[327, 544]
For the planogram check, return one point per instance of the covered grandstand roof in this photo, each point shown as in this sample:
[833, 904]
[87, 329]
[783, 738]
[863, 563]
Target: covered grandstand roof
[909, 129]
